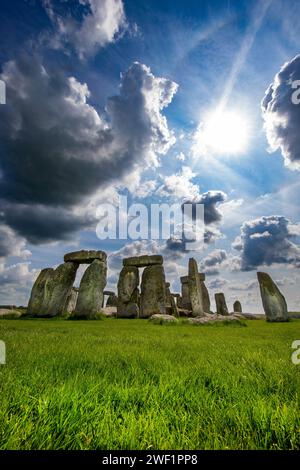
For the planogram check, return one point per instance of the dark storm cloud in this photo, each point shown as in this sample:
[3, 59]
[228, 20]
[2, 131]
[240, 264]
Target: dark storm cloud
[266, 241]
[56, 149]
[282, 115]
[210, 200]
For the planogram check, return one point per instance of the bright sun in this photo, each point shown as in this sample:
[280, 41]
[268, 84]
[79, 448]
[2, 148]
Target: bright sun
[224, 132]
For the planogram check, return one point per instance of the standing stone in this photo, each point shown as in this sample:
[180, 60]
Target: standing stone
[112, 300]
[184, 301]
[72, 299]
[274, 303]
[221, 304]
[90, 296]
[153, 291]
[128, 293]
[195, 289]
[204, 294]
[57, 290]
[237, 306]
[38, 292]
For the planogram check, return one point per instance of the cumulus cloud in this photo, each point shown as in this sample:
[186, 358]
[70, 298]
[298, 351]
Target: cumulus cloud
[101, 22]
[57, 150]
[11, 244]
[180, 185]
[212, 263]
[266, 241]
[282, 116]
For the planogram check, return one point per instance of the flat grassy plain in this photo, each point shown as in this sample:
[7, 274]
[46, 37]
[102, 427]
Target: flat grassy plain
[128, 384]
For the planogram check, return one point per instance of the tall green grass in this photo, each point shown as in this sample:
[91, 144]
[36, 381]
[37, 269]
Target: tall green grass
[127, 384]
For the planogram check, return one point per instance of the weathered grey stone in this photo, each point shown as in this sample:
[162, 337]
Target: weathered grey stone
[211, 319]
[71, 300]
[195, 289]
[143, 261]
[205, 297]
[153, 291]
[274, 303]
[160, 319]
[90, 296]
[57, 290]
[109, 311]
[38, 292]
[108, 292]
[112, 300]
[9, 314]
[184, 301]
[85, 256]
[221, 304]
[237, 306]
[128, 293]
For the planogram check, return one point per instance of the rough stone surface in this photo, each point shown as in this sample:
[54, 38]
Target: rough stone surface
[210, 319]
[205, 297]
[221, 304]
[153, 291]
[128, 293]
[90, 296]
[9, 314]
[57, 290]
[38, 292]
[112, 300]
[71, 300]
[195, 289]
[109, 311]
[274, 303]
[160, 319]
[143, 261]
[237, 306]
[85, 256]
[184, 301]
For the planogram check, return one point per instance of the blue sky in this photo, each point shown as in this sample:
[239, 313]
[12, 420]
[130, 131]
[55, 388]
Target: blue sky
[205, 52]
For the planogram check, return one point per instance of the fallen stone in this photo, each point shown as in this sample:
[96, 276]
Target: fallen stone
[213, 318]
[109, 311]
[9, 314]
[221, 304]
[274, 303]
[90, 296]
[160, 319]
[85, 256]
[143, 261]
[153, 291]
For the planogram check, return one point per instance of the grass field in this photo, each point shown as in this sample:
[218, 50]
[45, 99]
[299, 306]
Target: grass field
[128, 384]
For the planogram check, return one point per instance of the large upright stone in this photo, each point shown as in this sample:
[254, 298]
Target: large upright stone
[39, 292]
[221, 304]
[274, 303]
[85, 256]
[204, 293]
[237, 306]
[195, 289]
[128, 292]
[143, 261]
[185, 302]
[57, 290]
[90, 295]
[71, 300]
[153, 291]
